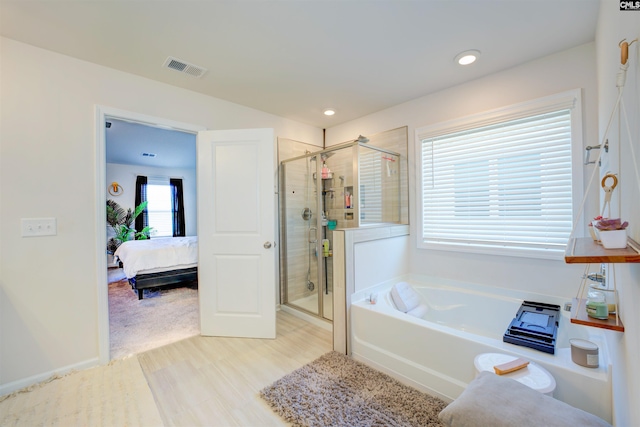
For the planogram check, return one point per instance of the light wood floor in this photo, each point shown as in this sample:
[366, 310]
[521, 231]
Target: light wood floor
[215, 381]
[200, 381]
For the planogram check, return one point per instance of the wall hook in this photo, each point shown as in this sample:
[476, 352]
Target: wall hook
[624, 50]
[588, 149]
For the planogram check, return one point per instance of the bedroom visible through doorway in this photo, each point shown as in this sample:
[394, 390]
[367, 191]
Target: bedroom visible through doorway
[168, 312]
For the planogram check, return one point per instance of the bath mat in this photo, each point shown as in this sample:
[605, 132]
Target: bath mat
[335, 390]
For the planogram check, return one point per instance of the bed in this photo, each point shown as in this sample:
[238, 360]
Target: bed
[159, 262]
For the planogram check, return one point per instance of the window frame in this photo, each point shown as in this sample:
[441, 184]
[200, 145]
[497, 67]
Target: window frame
[571, 100]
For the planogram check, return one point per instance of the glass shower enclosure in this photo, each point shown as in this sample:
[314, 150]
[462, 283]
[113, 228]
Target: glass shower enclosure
[344, 186]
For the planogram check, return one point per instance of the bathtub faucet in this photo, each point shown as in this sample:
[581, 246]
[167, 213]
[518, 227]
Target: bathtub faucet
[599, 277]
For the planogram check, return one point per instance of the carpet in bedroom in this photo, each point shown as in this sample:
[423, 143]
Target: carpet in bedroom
[162, 317]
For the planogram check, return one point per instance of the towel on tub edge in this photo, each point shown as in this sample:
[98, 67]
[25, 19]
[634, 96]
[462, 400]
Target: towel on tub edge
[405, 297]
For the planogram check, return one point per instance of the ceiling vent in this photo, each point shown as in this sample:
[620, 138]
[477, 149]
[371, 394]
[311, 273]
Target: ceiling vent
[184, 67]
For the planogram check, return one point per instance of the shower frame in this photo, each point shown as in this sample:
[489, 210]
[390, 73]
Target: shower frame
[321, 229]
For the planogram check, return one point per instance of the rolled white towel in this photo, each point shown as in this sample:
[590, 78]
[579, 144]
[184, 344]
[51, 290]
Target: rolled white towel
[419, 311]
[405, 297]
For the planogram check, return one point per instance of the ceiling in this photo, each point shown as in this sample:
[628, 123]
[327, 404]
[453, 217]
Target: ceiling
[295, 58]
[130, 143]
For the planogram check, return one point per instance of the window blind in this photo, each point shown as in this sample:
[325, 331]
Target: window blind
[502, 185]
[159, 207]
[370, 169]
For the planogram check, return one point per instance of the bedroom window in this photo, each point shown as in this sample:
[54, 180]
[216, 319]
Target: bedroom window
[159, 208]
[502, 182]
[165, 206]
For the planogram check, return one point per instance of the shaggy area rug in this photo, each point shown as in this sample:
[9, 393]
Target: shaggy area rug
[162, 317]
[335, 390]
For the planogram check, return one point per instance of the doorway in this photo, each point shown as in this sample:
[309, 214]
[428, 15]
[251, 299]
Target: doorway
[106, 115]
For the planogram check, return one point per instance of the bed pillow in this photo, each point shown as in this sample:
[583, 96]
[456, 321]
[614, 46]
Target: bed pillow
[405, 297]
[492, 400]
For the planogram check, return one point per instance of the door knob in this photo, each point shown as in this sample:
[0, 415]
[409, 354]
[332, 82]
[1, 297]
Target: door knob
[267, 245]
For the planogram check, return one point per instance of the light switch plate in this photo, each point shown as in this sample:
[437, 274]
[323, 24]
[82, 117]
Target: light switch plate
[32, 227]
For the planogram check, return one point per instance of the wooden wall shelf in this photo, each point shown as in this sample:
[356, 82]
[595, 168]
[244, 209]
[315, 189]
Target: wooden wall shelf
[579, 316]
[584, 250]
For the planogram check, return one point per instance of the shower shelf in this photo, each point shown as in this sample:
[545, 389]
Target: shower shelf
[328, 178]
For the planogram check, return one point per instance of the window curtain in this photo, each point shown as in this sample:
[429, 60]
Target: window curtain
[177, 207]
[142, 220]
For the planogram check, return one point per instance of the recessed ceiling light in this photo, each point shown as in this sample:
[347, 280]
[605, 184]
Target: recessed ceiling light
[329, 112]
[467, 57]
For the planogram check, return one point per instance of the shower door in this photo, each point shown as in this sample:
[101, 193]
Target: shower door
[300, 213]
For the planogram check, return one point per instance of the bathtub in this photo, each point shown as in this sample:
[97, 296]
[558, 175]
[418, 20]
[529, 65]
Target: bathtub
[435, 354]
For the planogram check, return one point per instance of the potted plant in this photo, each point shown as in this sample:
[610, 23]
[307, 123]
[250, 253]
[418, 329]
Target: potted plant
[611, 232]
[121, 222]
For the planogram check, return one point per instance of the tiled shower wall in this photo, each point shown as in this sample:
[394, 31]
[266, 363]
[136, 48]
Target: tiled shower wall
[395, 140]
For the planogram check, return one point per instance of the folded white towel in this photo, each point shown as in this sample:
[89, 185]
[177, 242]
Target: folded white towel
[419, 311]
[405, 297]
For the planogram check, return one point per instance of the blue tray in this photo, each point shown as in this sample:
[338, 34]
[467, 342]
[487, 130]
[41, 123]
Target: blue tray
[535, 326]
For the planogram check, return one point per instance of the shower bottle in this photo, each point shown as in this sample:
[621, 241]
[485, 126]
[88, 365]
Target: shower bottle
[325, 247]
[325, 171]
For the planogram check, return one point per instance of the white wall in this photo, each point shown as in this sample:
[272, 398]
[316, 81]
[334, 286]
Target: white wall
[566, 70]
[48, 285]
[615, 25]
[377, 261]
[125, 175]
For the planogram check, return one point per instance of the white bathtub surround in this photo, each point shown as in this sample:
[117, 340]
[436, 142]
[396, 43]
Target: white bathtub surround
[379, 253]
[436, 353]
[378, 290]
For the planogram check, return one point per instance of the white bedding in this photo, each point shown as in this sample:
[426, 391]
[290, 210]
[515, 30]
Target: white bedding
[160, 254]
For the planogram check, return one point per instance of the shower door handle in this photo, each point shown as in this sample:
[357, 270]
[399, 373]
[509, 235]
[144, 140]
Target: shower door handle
[315, 237]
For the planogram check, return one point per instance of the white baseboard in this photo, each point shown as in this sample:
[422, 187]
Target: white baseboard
[35, 379]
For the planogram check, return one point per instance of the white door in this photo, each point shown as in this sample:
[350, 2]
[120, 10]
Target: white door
[236, 231]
